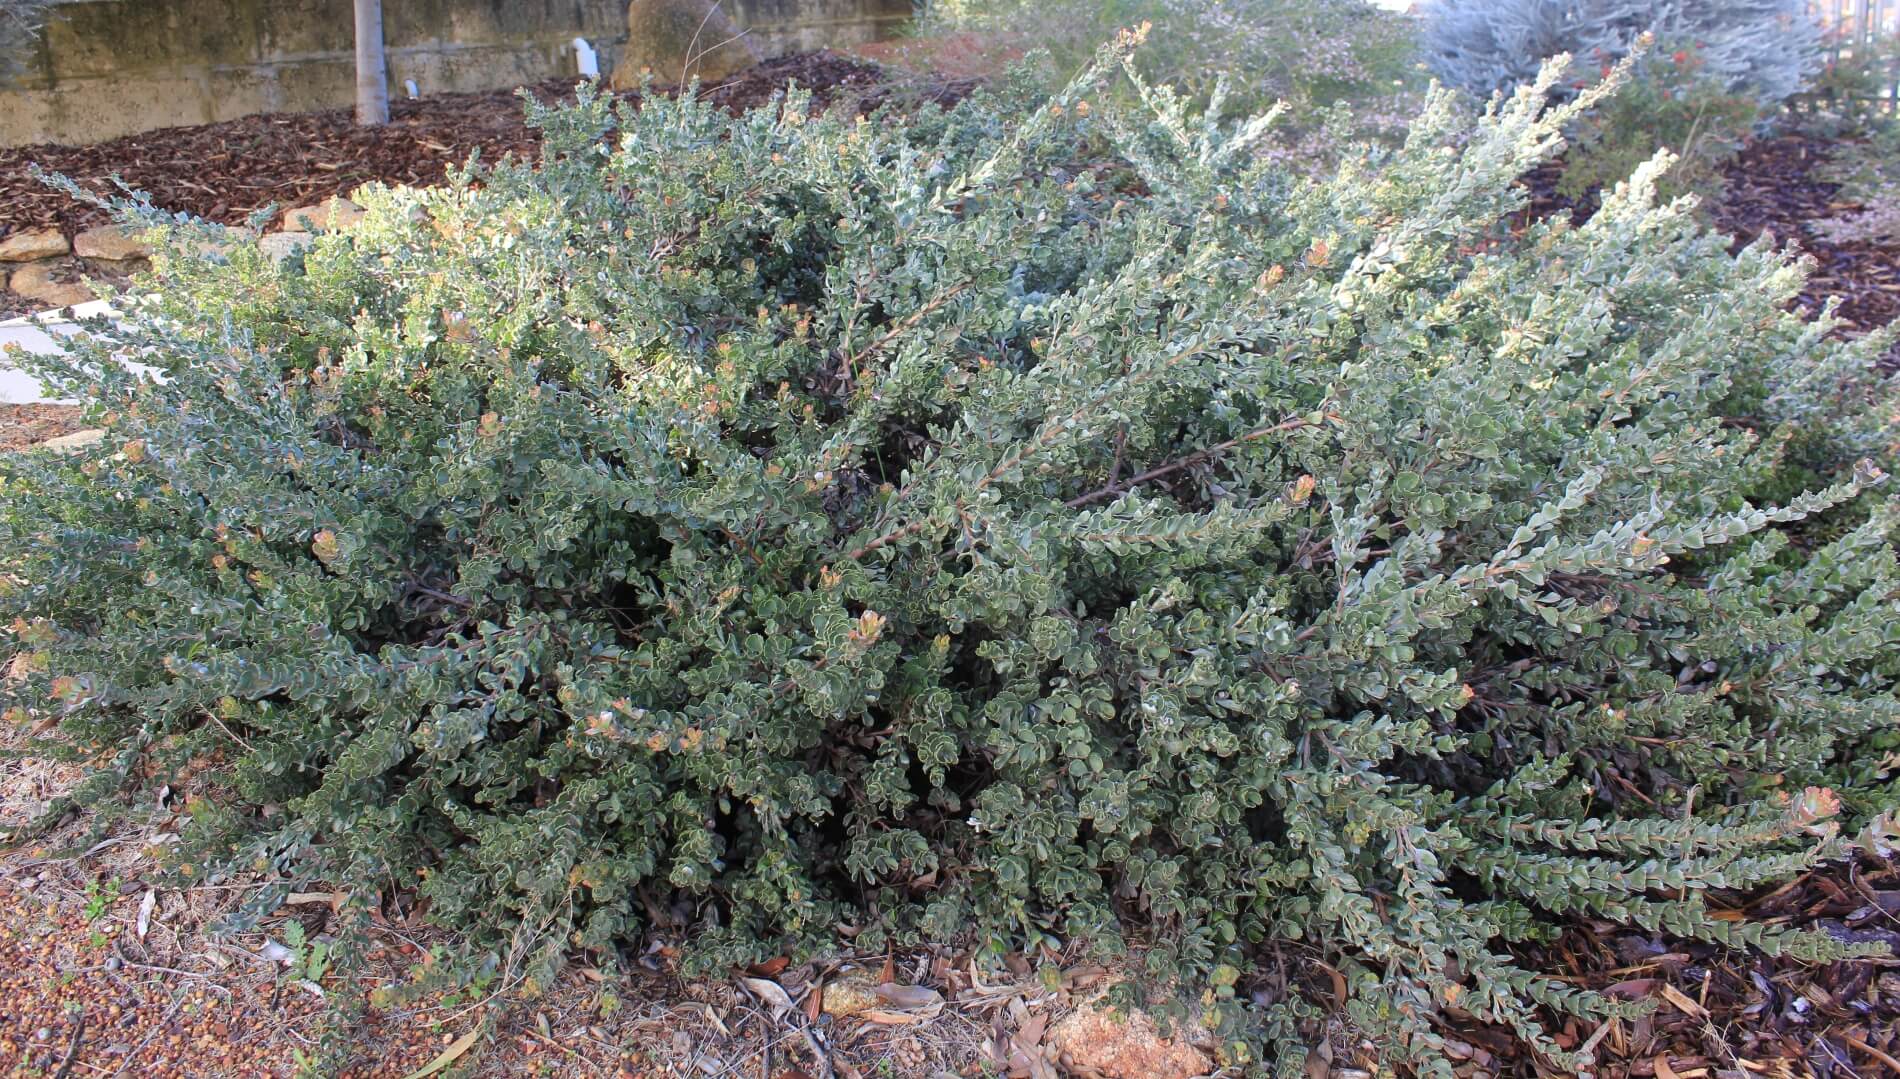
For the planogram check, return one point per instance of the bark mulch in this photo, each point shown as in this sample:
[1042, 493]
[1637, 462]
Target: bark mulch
[225, 171]
[1777, 186]
[29, 425]
[1730, 1014]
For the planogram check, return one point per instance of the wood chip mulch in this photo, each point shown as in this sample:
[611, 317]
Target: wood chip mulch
[1777, 186]
[1723, 1014]
[29, 425]
[224, 171]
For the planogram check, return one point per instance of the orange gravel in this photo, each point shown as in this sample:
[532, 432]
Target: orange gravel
[75, 1007]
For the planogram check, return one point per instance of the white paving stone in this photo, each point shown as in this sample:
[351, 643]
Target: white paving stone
[42, 333]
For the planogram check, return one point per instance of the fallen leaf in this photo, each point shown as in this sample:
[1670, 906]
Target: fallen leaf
[1029, 1036]
[771, 992]
[771, 968]
[909, 996]
[448, 1056]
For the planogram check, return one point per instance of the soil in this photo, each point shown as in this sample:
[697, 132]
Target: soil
[28, 425]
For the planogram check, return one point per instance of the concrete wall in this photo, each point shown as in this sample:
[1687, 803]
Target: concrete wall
[710, 39]
[105, 68]
[778, 27]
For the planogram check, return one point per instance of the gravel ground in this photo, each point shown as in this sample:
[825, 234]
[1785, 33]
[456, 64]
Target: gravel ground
[109, 968]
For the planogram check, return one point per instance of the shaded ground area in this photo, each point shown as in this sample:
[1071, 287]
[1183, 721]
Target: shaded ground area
[225, 171]
[1726, 1014]
[110, 967]
[26, 425]
[1777, 186]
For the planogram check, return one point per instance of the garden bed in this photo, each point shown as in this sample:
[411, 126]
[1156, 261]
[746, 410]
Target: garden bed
[1722, 1012]
[1778, 185]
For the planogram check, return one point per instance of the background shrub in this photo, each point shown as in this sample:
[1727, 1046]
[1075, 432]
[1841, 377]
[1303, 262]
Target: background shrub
[1866, 142]
[20, 22]
[1669, 99]
[1306, 54]
[1848, 94]
[1763, 49]
[1042, 519]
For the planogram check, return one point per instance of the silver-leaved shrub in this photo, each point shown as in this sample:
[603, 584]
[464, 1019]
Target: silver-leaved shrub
[1765, 50]
[1040, 519]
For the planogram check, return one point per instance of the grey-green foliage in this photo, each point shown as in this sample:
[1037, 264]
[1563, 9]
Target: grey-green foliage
[20, 22]
[1766, 49]
[1028, 520]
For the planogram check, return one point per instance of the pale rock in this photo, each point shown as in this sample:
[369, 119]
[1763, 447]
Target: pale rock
[1125, 1045]
[74, 442]
[36, 282]
[278, 246]
[33, 244]
[852, 994]
[330, 214]
[109, 242]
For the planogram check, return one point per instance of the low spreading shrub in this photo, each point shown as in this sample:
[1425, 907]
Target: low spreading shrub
[1766, 50]
[1042, 519]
